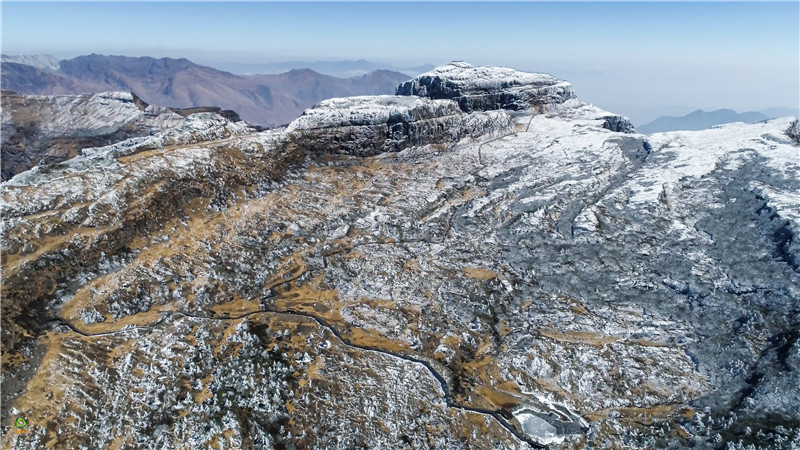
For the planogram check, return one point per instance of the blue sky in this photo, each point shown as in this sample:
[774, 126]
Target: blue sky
[632, 55]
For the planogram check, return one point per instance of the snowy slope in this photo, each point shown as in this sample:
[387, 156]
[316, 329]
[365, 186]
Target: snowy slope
[537, 279]
[40, 129]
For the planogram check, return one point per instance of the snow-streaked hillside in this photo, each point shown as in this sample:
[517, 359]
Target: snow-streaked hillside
[46, 130]
[406, 271]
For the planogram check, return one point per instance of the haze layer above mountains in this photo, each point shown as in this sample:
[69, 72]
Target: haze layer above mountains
[263, 99]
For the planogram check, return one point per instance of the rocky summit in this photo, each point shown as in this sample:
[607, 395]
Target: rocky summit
[480, 261]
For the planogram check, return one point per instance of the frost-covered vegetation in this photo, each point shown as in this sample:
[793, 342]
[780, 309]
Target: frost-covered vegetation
[793, 131]
[550, 280]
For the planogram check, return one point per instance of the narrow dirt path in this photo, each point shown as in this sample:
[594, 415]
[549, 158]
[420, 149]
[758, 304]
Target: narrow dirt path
[502, 417]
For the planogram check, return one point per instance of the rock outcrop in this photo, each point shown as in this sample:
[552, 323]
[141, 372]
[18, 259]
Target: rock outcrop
[618, 124]
[488, 88]
[366, 126]
[431, 278]
[229, 114]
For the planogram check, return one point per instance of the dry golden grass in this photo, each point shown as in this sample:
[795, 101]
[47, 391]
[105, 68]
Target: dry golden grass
[480, 273]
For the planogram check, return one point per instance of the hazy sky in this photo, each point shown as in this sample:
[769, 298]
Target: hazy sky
[635, 55]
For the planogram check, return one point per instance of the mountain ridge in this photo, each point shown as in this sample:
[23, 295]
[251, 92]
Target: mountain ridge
[45, 130]
[483, 262]
[41, 61]
[263, 99]
[343, 68]
[700, 120]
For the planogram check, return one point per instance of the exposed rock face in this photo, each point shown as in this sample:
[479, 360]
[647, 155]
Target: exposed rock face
[548, 282]
[45, 130]
[619, 124]
[366, 126]
[493, 88]
[488, 88]
[226, 113]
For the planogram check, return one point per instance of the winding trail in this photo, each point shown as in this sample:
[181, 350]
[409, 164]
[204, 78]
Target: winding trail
[502, 417]
[481, 164]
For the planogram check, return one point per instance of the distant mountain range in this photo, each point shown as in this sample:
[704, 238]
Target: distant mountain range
[262, 99]
[700, 120]
[343, 69]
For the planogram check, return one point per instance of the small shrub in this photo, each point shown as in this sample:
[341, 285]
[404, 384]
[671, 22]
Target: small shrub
[794, 132]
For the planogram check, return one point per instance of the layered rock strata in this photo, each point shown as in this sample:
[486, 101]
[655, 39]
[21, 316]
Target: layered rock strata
[370, 125]
[501, 88]
[488, 88]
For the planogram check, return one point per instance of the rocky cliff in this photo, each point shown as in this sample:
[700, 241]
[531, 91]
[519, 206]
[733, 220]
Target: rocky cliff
[487, 88]
[500, 88]
[366, 126]
[495, 267]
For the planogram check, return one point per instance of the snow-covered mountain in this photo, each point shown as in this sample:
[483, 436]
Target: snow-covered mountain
[45, 130]
[482, 261]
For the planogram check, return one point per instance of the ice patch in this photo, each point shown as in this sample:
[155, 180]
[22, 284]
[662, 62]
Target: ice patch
[538, 428]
